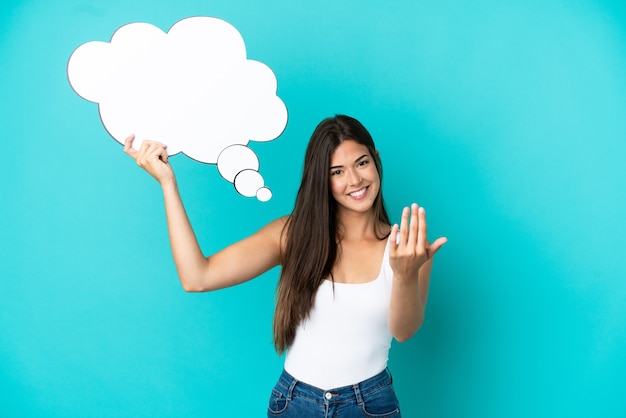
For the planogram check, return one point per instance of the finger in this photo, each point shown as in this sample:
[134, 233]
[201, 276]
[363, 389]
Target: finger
[142, 153]
[436, 246]
[163, 155]
[128, 146]
[404, 226]
[149, 147]
[145, 145]
[393, 237]
[413, 225]
[422, 241]
[146, 154]
[155, 152]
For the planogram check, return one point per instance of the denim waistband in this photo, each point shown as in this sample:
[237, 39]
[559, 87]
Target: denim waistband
[352, 392]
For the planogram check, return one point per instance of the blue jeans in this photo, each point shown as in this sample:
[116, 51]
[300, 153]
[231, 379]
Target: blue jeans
[373, 397]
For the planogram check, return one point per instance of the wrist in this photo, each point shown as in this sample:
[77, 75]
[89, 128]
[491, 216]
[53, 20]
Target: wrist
[408, 280]
[169, 184]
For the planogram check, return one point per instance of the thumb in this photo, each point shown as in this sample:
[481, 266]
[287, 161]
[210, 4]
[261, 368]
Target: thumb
[435, 246]
[128, 146]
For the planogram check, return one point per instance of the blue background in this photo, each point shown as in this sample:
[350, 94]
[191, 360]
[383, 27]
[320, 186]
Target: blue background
[505, 119]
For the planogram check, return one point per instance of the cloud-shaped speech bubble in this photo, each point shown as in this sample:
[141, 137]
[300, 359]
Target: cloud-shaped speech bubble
[191, 88]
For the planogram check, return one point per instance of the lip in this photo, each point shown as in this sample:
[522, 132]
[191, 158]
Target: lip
[363, 192]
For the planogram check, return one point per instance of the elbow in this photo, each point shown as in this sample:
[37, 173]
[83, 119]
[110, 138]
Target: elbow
[192, 289]
[402, 337]
[405, 334]
[191, 286]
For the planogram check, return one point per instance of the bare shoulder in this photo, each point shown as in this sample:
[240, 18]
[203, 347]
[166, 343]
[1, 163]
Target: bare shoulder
[274, 232]
[275, 227]
[279, 222]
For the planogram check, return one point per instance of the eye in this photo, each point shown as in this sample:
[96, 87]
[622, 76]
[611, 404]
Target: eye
[335, 172]
[363, 163]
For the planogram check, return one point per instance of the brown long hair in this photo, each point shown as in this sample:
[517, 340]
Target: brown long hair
[311, 231]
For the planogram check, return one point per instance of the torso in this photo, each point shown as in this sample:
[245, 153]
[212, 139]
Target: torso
[358, 261]
[346, 338]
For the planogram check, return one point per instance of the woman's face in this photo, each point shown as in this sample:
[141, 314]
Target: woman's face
[354, 179]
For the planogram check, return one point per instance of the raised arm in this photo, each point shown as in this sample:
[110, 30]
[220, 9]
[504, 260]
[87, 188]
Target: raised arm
[411, 259]
[235, 264]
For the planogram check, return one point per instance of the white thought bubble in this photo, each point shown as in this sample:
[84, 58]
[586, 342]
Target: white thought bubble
[191, 88]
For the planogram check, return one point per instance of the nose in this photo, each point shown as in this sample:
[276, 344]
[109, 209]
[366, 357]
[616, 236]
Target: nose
[354, 178]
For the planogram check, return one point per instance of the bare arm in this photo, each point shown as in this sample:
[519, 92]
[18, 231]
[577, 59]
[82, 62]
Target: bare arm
[235, 264]
[411, 258]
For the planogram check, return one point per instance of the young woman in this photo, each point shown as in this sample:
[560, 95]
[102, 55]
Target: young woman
[349, 282]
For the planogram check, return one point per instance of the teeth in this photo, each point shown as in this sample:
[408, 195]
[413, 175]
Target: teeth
[358, 193]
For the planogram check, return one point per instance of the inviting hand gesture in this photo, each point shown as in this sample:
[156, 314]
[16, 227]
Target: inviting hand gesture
[410, 249]
[152, 157]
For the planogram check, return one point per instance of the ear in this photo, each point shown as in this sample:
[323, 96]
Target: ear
[378, 153]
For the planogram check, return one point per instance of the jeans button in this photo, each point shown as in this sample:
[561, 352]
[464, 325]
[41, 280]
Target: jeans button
[328, 395]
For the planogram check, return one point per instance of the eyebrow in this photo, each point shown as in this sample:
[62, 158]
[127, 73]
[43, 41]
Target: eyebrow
[356, 161]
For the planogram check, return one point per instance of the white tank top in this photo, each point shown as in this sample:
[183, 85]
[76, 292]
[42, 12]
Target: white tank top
[346, 339]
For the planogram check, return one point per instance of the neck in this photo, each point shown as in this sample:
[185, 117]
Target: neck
[357, 226]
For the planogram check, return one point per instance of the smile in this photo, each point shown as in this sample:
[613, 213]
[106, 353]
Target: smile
[359, 193]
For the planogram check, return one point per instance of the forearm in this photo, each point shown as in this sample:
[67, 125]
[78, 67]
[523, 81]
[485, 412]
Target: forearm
[188, 258]
[408, 303]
